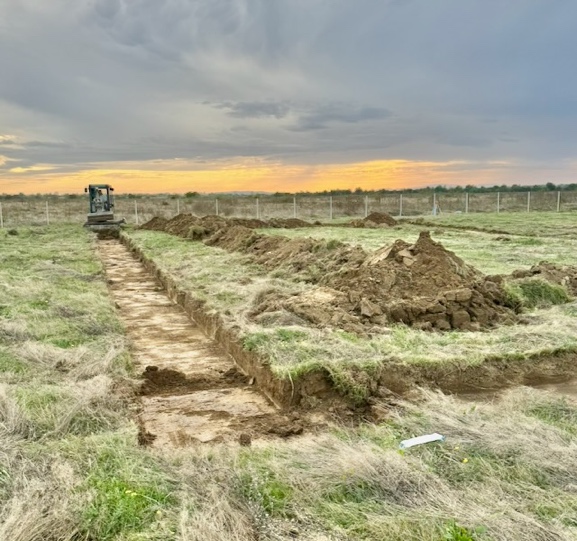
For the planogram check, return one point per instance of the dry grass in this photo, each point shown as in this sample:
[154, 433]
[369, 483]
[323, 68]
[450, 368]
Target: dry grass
[485, 251]
[503, 473]
[228, 282]
[294, 348]
[70, 467]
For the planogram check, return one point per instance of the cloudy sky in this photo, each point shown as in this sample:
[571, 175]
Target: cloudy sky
[286, 95]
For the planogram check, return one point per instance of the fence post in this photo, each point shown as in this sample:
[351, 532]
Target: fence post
[216, 206]
[1, 218]
[177, 206]
[257, 210]
[434, 204]
[400, 205]
[366, 205]
[528, 201]
[330, 207]
[294, 206]
[498, 202]
[136, 212]
[558, 204]
[466, 202]
[47, 214]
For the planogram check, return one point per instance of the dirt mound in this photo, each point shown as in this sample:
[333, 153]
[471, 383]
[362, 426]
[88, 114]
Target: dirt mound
[564, 275]
[375, 219]
[189, 226]
[236, 238]
[289, 223]
[307, 256]
[380, 218]
[181, 224]
[155, 224]
[422, 285]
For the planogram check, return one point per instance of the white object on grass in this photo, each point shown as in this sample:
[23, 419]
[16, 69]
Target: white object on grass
[428, 438]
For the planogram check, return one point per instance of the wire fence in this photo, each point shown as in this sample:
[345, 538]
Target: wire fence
[35, 211]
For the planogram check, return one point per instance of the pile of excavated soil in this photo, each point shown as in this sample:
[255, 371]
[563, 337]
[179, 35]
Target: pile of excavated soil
[155, 224]
[189, 226]
[288, 223]
[301, 255]
[564, 275]
[380, 218]
[422, 284]
[375, 219]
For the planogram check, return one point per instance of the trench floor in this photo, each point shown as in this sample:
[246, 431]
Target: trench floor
[191, 390]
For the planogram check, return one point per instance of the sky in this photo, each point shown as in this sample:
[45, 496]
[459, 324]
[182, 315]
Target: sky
[285, 95]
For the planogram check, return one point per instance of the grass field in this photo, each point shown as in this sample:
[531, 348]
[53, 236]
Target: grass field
[541, 224]
[491, 253]
[230, 284]
[71, 467]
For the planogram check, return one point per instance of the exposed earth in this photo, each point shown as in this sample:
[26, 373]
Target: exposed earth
[191, 390]
[422, 285]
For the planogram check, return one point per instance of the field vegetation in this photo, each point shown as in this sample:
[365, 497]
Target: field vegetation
[549, 318]
[71, 467]
[558, 225]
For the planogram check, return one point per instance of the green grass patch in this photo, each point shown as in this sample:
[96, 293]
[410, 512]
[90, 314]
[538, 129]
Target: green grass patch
[536, 293]
[259, 484]
[10, 362]
[559, 413]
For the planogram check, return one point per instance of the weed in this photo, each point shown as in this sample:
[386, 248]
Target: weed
[289, 335]
[254, 341]
[536, 293]
[267, 490]
[126, 493]
[454, 532]
[559, 413]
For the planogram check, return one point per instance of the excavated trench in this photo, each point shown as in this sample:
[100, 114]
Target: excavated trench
[191, 390]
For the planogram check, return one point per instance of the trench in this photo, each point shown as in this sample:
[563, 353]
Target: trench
[191, 389]
[561, 388]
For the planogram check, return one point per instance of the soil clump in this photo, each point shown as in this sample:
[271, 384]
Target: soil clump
[197, 228]
[287, 223]
[422, 284]
[563, 275]
[375, 219]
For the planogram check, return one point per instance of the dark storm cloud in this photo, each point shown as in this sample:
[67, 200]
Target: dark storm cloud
[301, 80]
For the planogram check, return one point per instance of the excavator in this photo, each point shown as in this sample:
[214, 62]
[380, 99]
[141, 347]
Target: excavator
[100, 211]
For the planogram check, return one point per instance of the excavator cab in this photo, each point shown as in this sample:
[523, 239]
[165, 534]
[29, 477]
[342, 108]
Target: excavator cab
[101, 207]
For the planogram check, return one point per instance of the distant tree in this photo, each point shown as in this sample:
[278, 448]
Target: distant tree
[550, 186]
[190, 194]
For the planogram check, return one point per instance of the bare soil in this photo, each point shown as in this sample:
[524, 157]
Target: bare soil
[194, 227]
[564, 275]
[375, 219]
[422, 285]
[191, 390]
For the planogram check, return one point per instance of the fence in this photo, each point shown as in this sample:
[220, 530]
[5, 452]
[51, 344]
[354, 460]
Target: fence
[34, 211]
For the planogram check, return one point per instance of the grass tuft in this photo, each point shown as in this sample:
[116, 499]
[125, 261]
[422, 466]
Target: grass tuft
[536, 293]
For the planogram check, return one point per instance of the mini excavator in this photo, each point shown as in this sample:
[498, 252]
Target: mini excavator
[100, 211]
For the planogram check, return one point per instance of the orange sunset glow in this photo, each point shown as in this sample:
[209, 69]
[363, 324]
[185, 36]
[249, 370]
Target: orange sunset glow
[253, 176]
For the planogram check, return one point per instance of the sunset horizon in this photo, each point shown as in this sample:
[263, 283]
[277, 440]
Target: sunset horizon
[218, 96]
